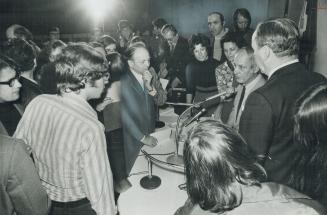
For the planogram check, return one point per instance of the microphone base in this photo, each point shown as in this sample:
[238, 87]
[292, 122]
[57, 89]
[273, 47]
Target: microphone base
[175, 159]
[150, 182]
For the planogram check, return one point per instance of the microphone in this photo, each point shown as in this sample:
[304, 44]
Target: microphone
[215, 96]
[196, 116]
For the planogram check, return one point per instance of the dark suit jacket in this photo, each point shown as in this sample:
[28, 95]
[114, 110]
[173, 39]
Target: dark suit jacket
[178, 59]
[21, 191]
[267, 120]
[28, 91]
[138, 117]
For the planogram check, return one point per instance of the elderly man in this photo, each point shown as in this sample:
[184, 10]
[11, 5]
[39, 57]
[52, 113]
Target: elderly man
[21, 191]
[66, 138]
[248, 76]
[138, 109]
[267, 120]
[216, 25]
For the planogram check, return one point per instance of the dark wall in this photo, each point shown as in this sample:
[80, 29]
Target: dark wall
[190, 16]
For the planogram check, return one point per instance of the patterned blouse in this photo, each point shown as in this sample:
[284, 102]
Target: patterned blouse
[225, 79]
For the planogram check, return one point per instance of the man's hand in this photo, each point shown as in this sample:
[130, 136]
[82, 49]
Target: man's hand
[147, 78]
[149, 141]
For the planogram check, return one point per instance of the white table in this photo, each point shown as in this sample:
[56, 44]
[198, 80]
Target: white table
[165, 199]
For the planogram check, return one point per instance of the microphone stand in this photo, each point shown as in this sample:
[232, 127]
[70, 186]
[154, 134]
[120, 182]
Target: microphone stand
[150, 181]
[176, 158]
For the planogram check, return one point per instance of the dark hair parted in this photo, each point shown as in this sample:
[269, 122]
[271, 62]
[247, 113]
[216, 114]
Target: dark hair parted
[233, 37]
[216, 157]
[117, 65]
[197, 39]
[310, 125]
[21, 52]
[242, 12]
[79, 64]
[281, 35]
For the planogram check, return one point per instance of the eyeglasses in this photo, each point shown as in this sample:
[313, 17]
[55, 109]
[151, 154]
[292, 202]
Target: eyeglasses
[11, 82]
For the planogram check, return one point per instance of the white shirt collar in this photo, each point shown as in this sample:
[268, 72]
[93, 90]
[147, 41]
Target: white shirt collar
[281, 66]
[222, 33]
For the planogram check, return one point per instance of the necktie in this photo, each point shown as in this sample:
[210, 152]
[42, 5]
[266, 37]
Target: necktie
[240, 101]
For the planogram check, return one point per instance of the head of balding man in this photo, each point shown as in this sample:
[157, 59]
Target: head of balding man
[246, 68]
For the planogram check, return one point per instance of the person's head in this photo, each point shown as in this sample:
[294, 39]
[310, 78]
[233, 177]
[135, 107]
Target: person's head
[310, 124]
[241, 19]
[9, 82]
[54, 34]
[56, 49]
[157, 24]
[199, 46]
[169, 32]
[109, 43]
[311, 117]
[137, 39]
[81, 68]
[22, 53]
[216, 23]
[231, 43]
[275, 41]
[246, 68]
[217, 161]
[117, 65]
[138, 58]
[18, 31]
[99, 47]
[125, 29]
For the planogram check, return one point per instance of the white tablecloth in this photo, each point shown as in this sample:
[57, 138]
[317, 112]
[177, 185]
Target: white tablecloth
[165, 199]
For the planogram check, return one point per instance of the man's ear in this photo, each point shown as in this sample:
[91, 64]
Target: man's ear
[265, 52]
[130, 63]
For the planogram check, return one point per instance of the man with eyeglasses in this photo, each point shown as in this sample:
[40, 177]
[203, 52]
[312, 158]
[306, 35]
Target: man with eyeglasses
[138, 107]
[66, 138]
[24, 55]
[21, 191]
[10, 113]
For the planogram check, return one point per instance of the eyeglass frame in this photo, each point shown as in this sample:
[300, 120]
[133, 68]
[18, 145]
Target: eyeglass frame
[11, 82]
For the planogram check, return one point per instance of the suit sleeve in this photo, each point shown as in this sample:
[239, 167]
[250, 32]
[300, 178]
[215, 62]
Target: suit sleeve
[130, 113]
[256, 124]
[24, 185]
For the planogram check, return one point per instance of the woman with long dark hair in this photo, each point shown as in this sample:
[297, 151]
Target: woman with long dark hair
[310, 172]
[223, 176]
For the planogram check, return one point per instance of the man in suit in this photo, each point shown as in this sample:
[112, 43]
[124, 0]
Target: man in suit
[178, 56]
[216, 25]
[267, 120]
[138, 108]
[248, 76]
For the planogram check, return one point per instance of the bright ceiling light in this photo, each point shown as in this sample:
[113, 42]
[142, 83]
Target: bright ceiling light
[98, 9]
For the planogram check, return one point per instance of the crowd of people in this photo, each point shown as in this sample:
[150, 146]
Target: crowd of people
[74, 116]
